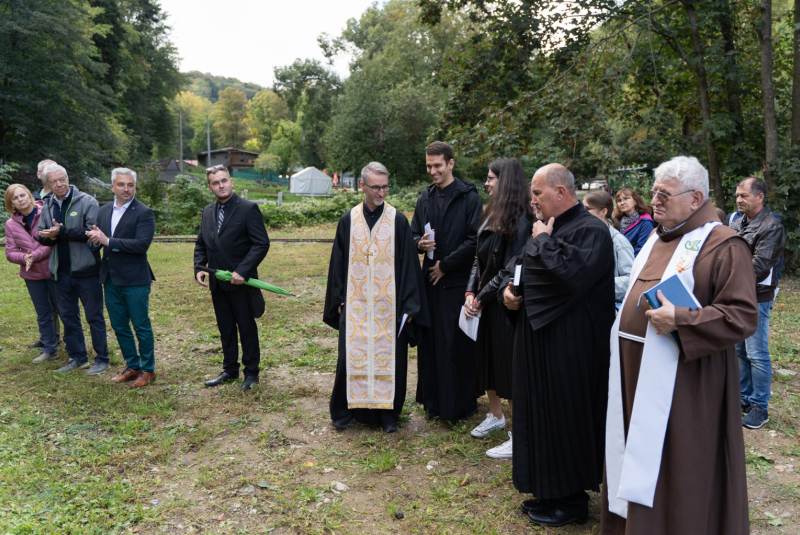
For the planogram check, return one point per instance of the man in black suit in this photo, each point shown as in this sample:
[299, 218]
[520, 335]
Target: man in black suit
[125, 231]
[232, 238]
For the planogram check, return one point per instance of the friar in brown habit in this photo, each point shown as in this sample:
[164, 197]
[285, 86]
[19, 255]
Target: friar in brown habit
[674, 444]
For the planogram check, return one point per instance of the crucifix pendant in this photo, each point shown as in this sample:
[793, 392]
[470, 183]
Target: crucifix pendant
[370, 258]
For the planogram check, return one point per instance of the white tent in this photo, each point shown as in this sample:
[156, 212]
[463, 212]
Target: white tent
[310, 181]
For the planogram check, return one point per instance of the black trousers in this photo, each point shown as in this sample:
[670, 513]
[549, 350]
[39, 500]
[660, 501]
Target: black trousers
[235, 319]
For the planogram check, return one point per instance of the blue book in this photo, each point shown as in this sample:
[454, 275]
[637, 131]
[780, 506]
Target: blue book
[676, 292]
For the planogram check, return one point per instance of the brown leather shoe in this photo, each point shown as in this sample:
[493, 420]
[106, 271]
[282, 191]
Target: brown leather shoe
[143, 379]
[124, 377]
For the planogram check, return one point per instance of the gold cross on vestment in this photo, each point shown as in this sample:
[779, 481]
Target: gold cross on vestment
[370, 258]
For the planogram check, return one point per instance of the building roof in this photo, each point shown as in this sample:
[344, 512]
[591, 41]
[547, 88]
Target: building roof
[230, 149]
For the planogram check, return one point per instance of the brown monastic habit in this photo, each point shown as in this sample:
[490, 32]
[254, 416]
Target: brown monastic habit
[702, 487]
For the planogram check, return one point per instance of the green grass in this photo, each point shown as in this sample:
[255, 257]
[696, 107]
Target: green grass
[79, 455]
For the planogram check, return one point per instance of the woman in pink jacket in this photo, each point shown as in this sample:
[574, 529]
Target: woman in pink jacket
[23, 249]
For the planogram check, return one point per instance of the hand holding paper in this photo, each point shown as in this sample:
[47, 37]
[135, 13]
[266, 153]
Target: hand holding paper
[431, 235]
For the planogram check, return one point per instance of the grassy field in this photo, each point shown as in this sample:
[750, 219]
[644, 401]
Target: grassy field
[81, 455]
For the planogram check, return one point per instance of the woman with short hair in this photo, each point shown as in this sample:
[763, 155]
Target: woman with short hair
[635, 218]
[505, 227]
[600, 204]
[23, 248]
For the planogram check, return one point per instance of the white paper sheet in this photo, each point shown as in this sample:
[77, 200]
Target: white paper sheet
[768, 280]
[431, 237]
[402, 324]
[517, 275]
[469, 326]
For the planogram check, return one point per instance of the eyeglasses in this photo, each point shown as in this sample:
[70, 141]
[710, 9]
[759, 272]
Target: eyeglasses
[377, 189]
[664, 197]
[215, 168]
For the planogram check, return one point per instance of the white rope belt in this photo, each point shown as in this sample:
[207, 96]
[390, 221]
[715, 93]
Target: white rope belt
[631, 337]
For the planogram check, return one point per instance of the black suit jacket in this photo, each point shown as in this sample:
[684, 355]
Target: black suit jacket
[125, 256]
[240, 246]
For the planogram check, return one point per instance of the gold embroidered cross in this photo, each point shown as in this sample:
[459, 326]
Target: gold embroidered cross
[370, 258]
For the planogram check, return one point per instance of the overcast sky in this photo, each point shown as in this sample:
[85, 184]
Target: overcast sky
[247, 39]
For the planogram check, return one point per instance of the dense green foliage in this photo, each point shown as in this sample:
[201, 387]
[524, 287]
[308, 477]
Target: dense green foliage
[208, 86]
[327, 210]
[87, 83]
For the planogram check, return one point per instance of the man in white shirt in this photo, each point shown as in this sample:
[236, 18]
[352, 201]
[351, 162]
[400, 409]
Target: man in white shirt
[125, 231]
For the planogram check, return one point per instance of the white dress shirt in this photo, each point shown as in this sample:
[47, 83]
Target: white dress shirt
[116, 214]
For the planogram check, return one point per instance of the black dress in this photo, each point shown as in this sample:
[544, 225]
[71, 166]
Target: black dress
[493, 353]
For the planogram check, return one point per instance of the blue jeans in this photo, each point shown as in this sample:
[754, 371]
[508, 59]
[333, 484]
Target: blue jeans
[69, 290]
[41, 292]
[128, 305]
[755, 370]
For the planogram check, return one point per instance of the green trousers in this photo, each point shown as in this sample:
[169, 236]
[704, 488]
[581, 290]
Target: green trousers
[126, 306]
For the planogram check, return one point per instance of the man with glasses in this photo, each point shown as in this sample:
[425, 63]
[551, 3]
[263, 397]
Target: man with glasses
[674, 444]
[233, 238]
[766, 238]
[67, 215]
[375, 299]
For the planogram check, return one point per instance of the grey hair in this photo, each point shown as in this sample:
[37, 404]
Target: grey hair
[42, 166]
[122, 171]
[54, 167]
[373, 167]
[687, 170]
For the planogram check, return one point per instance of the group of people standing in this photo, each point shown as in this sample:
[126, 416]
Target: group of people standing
[56, 236]
[605, 391]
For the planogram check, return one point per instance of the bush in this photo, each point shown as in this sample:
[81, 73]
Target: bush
[183, 206]
[329, 209]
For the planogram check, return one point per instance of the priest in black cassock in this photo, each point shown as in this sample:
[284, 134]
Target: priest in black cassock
[563, 318]
[375, 298]
[452, 210]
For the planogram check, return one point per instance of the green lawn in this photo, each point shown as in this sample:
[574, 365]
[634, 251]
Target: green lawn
[81, 455]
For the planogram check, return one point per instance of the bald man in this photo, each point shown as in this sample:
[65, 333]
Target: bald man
[563, 313]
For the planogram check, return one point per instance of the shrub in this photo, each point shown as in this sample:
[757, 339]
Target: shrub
[328, 209]
[183, 206]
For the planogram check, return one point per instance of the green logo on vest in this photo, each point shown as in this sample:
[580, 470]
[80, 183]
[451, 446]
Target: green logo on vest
[692, 245]
[73, 214]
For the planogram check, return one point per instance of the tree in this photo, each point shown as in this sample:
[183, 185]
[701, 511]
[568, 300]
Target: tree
[285, 144]
[309, 89]
[194, 110]
[51, 103]
[264, 113]
[229, 114]
[267, 162]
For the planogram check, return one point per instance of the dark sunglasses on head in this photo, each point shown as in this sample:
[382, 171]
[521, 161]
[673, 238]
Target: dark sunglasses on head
[210, 170]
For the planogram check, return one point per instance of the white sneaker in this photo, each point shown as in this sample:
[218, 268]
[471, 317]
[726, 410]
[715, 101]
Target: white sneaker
[488, 425]
[503, 451]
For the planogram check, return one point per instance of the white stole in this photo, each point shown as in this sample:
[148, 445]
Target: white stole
[632, 467]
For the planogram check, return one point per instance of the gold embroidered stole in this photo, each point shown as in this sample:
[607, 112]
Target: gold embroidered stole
[371, 309]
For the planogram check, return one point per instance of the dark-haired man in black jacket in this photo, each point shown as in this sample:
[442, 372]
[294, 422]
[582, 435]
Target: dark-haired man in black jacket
[233, 238]
[446, 385]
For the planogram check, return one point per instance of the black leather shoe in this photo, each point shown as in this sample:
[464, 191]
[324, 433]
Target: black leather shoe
[554, 516]
[342, 422]
[535, 505]
[391, 427]
[36, 344]
[249, 382]
[224, 377]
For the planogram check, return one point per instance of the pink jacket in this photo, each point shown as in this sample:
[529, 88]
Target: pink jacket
[19, 242]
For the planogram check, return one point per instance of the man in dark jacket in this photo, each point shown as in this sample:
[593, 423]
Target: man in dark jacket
[124, 230]
[75, 267]
[450, 210]
[232, 238]
[766, 238]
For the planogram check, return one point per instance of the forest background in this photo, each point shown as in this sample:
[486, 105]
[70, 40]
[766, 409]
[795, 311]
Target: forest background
[593, 84]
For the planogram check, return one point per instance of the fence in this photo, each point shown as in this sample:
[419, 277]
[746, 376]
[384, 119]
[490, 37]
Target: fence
[270, 176]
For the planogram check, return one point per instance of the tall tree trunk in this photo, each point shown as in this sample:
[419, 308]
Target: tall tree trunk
[796, 78]
[732, 85]
[705, 105]
[768, 90]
